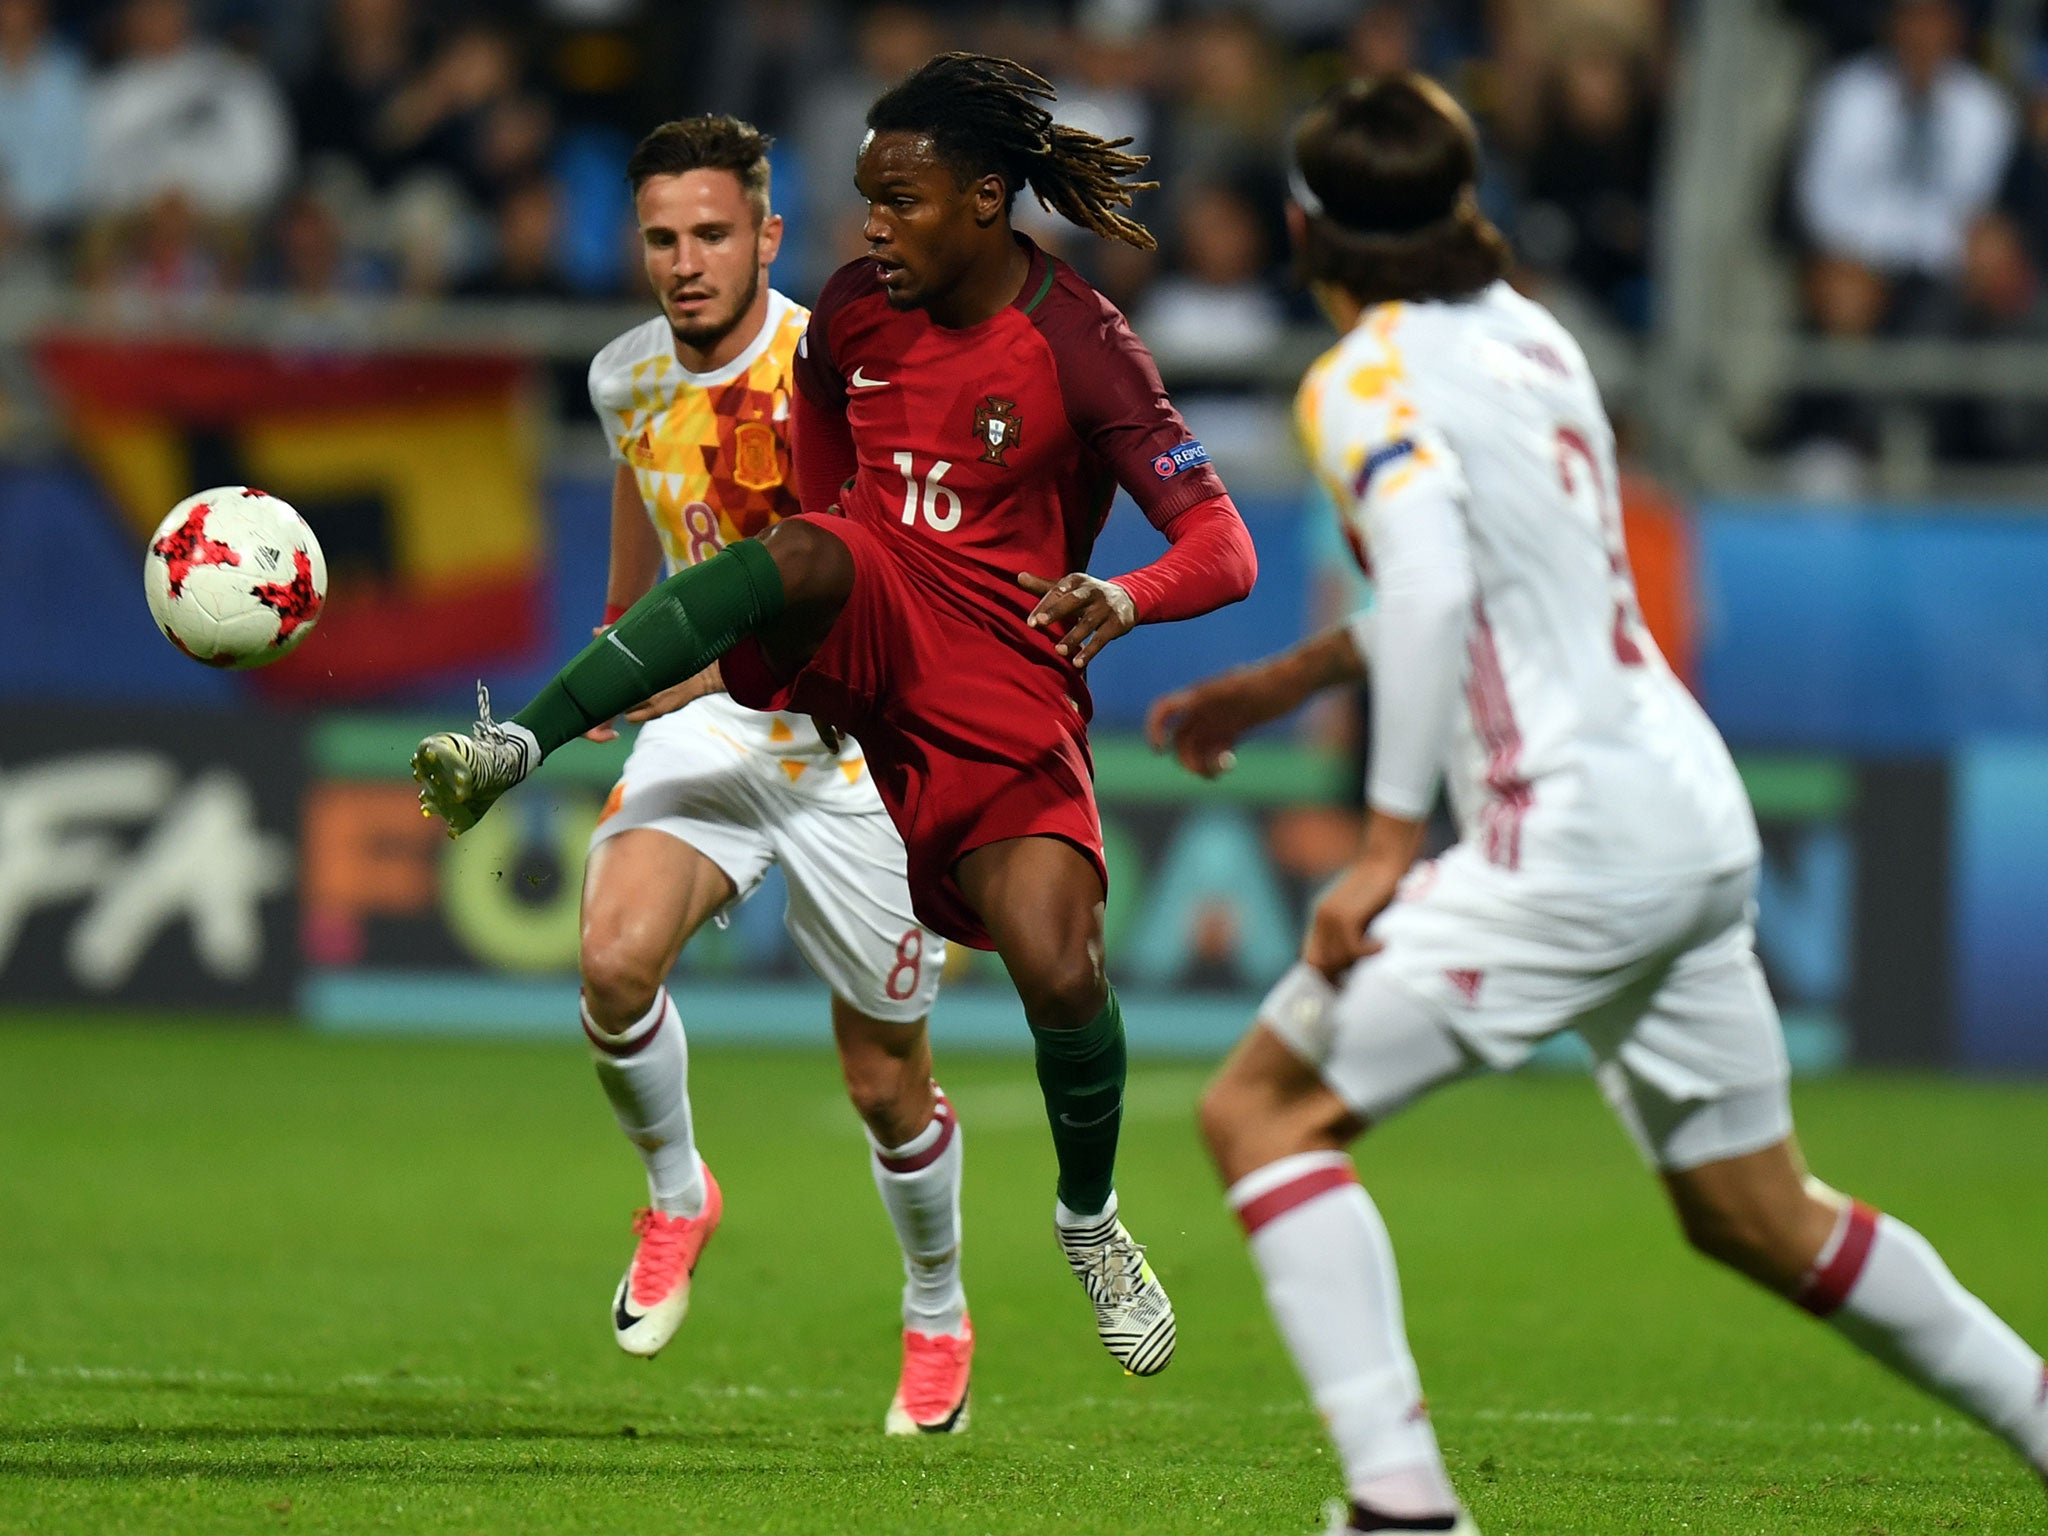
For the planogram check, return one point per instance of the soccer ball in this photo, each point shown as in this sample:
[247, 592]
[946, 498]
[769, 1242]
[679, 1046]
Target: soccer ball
[234, 577]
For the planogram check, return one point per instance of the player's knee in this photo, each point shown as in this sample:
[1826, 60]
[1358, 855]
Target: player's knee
[619, 983]
[1063, 991]
[887, 1096]
[1220, 1114]
[873, 1093]
[1247, 1121]
[888, 1079]
[1740, 1236]
[812, 565]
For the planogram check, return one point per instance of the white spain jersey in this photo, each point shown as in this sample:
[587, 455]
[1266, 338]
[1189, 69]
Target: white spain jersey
[710, 453]
[1467, 442]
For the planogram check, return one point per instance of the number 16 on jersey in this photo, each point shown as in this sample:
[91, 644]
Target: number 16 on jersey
[936, 495]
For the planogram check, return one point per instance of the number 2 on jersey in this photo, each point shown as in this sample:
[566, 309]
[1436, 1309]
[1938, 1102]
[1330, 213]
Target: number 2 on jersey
[935, 495]
[1628, 618]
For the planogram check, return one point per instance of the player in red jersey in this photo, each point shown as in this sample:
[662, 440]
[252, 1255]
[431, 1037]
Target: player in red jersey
[966, 407]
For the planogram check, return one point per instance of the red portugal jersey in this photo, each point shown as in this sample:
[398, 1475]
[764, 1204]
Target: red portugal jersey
[992, 450]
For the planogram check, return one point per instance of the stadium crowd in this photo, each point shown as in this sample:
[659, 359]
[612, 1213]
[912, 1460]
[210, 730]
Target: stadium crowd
[173, 150]
[180, 147]
[1918, 204]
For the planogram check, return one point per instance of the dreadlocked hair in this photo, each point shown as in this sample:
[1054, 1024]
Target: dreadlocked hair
[983, 116]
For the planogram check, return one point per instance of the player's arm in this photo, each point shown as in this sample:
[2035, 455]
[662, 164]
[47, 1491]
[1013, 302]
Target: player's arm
[820, 441]
[1209, 563]
[636, 551]
[1118, 406]
[1416, 636]
[634, 567]
[1203, 721]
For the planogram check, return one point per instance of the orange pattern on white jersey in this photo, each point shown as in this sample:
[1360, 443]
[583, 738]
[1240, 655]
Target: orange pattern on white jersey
[1576, 749]
[710, 451]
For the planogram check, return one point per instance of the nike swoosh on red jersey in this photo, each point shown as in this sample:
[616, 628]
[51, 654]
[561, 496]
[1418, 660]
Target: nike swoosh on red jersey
[859, 382]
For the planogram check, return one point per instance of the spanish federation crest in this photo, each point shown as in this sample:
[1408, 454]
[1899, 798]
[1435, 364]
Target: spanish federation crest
[755, 465]
[996, 423]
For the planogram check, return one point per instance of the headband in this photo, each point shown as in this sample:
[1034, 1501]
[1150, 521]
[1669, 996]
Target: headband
[1312, 205]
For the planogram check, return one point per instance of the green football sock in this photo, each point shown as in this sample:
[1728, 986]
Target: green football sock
[1081, 1073]
[671, 634]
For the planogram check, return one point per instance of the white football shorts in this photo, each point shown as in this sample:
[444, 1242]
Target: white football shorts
[1481, 965]
[720, 787]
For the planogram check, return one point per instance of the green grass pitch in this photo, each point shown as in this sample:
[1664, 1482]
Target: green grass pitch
[257, 1280]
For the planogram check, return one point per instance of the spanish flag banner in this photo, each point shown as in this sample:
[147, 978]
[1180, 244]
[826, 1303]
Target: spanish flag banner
[419, 473]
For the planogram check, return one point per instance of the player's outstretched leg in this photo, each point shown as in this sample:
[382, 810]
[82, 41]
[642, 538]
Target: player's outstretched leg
[461, 773]
[914, 1152]
[673, 633]
[1276, 1133]
[1041, 900]
[1875, 1280]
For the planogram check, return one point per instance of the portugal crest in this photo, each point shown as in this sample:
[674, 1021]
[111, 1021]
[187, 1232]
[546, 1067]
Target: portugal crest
[755, 464]
[996, 423]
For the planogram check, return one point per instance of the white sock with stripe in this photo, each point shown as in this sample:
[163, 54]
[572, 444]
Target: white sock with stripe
[645, 1070]
[1883, 1287]
[1328, 1268]
[919, 1183]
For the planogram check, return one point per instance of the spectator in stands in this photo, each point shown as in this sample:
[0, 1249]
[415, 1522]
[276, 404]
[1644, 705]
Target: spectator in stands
[1382, 41]
[1304, 26]
[468, 113]
[1105, 61]
[370, 54]
[1105, 66]
[177, 113]
[1904, 153]
[1895, 189]
[1214, 305]
[167, 253]
[312, 259]
[1589, 173]
[459, 133]
[42, 121]
[1524, 39]
[890, 41]
[2023, 198]
[1228, 106]
[525, 266]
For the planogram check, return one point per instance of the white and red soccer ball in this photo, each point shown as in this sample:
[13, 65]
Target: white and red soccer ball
[234, 577]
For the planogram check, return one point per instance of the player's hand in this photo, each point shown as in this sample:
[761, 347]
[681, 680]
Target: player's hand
[1337, 938]
[666, 702]
[1203, 721]
[669, 700]
[1094, 612]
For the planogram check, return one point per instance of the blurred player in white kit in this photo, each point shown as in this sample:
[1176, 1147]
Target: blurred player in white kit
[1607, 855]
[695, 409]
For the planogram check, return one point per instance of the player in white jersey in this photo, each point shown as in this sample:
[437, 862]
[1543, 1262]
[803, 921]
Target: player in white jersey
[694, 405]
[1606, 859]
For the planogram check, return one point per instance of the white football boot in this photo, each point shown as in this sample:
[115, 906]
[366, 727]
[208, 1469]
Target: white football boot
[1132, 1313]
[461, 774]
